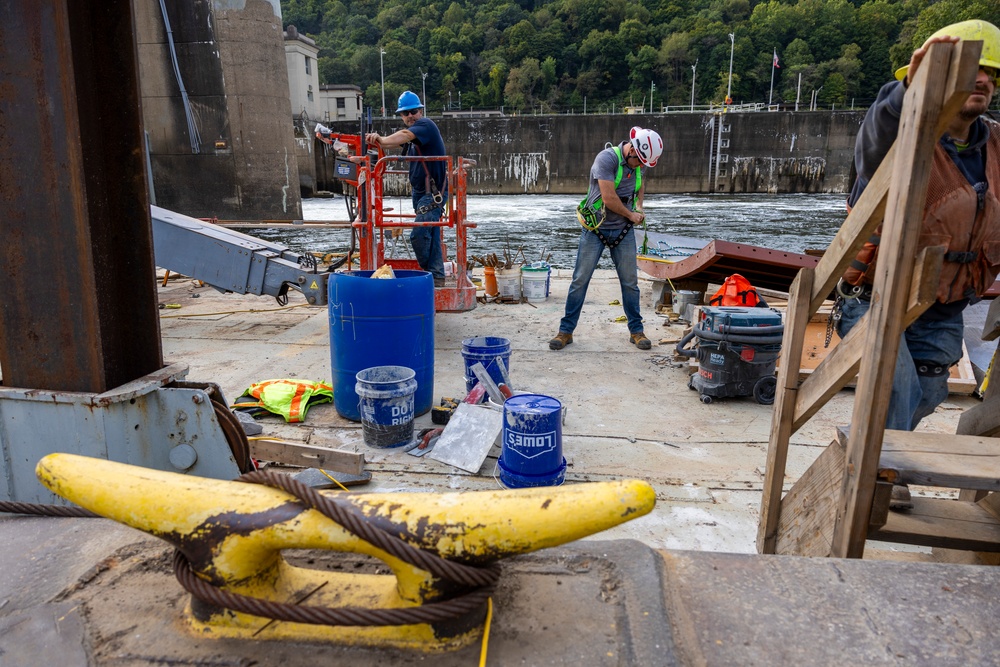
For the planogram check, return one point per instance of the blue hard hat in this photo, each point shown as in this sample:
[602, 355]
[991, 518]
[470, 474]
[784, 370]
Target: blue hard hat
[408, 101]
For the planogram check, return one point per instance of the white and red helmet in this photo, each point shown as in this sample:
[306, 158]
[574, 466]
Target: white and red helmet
[647, 144]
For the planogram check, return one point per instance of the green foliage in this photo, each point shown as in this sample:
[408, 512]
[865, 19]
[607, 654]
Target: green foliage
[553, 54]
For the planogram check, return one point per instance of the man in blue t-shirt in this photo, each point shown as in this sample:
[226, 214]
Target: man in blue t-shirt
[422, 138]
[613, 205]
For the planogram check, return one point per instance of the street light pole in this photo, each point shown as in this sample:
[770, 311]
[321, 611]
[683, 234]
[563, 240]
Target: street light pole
[729, 86]
[423, 74]
[694, 74]
[651, 89]
[381, 66]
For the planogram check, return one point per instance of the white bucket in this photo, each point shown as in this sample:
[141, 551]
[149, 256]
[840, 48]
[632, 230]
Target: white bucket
[535, 282]
[509, 283]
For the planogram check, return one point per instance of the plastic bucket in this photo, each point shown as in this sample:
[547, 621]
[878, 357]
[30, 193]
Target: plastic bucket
[381, 323]
[531, 449]
[385, 401]
[509, 283]
[535, 282]
[490, 282]
[485, 350]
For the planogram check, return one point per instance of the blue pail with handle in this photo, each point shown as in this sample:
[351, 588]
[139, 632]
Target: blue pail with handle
[385, 402]
[531, 445]
[485, 350]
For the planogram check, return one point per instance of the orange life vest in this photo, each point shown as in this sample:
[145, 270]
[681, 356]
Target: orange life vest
[735, 291]
[953, 219]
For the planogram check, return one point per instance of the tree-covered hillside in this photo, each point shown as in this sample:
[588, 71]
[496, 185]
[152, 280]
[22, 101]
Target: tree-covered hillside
[554, 56]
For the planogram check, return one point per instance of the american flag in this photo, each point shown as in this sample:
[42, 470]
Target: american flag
[775, 63]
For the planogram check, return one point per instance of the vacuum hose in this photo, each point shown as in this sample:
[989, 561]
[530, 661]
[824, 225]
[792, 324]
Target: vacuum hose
[732, 334]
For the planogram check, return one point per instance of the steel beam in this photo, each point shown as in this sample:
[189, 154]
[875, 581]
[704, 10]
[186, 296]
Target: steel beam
[79, 311]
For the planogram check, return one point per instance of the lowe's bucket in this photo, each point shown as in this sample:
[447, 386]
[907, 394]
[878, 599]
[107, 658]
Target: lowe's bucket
[535, 283]
[385, 401]
[531, 449]
[485, 350]
[380, 323]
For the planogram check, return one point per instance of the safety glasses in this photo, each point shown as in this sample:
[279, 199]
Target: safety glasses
[409, 112]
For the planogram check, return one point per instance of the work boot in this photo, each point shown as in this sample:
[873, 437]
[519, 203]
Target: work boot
[561, 340]
[439, 282]
[640, 341]
[900, 498]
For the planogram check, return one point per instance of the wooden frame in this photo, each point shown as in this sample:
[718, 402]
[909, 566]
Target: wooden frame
[903, 289]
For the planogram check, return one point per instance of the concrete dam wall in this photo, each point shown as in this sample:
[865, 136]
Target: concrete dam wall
[776, 152]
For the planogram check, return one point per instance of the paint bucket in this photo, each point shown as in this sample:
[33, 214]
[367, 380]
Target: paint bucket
[490, 281]
[534, 281]
[509, 283]
[385, 401]
[380, 323]
[681, 300]
[485, 350]
[531, 449]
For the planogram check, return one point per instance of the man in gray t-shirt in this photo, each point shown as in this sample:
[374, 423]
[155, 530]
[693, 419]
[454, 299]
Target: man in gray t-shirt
[613, 205]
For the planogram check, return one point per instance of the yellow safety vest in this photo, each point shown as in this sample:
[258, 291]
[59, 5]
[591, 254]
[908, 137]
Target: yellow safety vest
[288, 397]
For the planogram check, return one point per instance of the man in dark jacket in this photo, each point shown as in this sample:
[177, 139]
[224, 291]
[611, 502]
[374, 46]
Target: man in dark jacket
[961, 213]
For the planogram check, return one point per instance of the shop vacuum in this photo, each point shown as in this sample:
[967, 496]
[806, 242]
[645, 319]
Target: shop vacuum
[737, 349]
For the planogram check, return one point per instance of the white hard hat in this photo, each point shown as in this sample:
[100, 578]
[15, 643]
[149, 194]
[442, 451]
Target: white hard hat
[647, 144]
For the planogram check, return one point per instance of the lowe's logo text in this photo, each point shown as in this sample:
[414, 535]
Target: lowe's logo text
[530, 445]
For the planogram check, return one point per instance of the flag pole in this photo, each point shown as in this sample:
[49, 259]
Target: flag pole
[774, 60]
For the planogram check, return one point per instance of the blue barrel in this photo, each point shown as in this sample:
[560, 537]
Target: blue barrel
[531, 448]
[381, 322]
[485, 350]
[385, 401]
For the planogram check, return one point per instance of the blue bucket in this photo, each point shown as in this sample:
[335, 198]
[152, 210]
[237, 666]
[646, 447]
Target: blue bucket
[385, 401]
[381, 323]
[485, 350]
[531, 448]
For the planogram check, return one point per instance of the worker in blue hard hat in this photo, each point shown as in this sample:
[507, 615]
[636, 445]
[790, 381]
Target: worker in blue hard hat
[428, 178]
[961, 213]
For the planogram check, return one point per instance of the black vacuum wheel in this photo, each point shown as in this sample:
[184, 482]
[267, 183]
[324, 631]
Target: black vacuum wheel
[764, 390]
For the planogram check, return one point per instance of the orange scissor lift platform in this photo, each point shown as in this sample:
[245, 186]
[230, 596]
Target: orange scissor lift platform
[376, 223]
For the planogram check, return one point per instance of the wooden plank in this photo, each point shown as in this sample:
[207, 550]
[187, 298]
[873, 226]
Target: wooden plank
[922, 110]
[991, 329]
[784, 408]
[953, 462]
[307, 456]
[942, 523]
[808, 509]
[841, 365]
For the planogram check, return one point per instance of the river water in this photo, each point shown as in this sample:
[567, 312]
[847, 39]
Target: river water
[544, 225]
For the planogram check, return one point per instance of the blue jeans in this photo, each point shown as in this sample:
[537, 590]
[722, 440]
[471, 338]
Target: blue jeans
[937, 342]
[426, 241]
[587, 256]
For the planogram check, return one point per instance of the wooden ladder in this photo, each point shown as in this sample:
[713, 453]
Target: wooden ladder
[831, 510]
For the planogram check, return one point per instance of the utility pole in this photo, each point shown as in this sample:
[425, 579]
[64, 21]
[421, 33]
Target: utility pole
[694, 75]
[651, 89]
[798, 92]
[729, 86]
[381, 52]
[423, 75]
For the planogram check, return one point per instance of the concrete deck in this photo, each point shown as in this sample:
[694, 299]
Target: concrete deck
[681, 585]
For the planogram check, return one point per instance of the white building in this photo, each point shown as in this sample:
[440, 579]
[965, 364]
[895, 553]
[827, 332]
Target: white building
[339, 102]
[303, 74]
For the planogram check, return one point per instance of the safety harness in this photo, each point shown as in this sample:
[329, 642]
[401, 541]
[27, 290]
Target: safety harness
[593, 215]
[430, 186]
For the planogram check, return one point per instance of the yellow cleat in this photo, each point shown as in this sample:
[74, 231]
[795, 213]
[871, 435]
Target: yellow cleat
[232, 534]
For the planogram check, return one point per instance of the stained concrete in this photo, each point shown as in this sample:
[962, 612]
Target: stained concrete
[681, 585]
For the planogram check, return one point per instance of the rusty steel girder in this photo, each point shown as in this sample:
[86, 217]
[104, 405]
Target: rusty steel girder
[79, 310]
